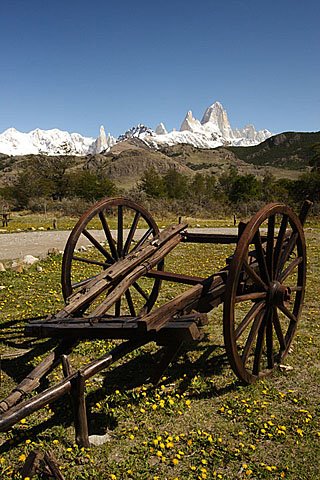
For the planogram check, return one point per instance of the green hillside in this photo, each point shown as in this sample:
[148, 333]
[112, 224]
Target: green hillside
[292, 150]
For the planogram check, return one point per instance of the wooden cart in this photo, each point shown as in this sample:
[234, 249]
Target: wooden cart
[111, 292]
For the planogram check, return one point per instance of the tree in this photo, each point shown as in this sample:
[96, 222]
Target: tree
[245, 188]
[41, 176]
[268, 187]
[90, 185]
[152, 183]
[315, 160]
[176, 184]
[228, 178]
[307, 186]
[202, 188]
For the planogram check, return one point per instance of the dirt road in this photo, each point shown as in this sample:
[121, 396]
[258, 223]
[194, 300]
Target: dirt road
[17, 245]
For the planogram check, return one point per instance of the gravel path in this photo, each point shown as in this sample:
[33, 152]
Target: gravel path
[17, 245]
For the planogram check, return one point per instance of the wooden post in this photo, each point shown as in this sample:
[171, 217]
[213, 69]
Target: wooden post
[65, 365]
[80, 413]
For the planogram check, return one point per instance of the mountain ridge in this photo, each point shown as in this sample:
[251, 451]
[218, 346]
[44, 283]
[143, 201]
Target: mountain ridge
[212, 131]
[285, 155]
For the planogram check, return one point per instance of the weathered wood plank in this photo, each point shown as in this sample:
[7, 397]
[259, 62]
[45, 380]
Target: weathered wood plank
[140, 270]
[200, 297]
[182, 327]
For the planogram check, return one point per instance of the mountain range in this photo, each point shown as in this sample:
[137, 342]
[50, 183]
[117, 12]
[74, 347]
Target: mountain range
[212, 131]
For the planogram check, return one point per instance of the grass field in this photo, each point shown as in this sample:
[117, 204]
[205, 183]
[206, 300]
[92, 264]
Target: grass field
[198, 423]
[30, 222]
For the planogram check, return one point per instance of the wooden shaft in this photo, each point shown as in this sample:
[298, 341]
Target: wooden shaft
[195, 237]
[27, 407]
[175, 277]
[53, 466]
[32, 380]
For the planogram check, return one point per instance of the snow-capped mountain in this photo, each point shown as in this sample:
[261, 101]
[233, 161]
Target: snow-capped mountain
[52, 142]
[139, 131]
[212, 131]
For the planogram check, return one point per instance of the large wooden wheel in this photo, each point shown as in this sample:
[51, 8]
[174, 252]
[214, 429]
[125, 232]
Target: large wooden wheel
[107, 232]
[264, 292]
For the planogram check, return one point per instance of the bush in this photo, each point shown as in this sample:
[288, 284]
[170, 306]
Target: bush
[67, 206]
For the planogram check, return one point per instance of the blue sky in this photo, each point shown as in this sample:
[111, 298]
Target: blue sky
[75, 64]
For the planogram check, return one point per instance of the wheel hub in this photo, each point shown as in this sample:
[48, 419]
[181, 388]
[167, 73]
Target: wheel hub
[279, 294]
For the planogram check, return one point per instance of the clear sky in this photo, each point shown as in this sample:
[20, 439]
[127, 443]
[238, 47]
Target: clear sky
[77, 64]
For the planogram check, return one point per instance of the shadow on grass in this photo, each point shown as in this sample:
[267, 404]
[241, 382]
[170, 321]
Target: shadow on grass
[133, 373]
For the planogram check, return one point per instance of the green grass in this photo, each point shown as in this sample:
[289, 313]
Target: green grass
[26, 221]
[198, 423]
[30, 222]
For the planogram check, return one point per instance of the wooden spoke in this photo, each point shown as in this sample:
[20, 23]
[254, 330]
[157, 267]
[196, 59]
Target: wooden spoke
[251, 296]
[131, 233]
[269, 339]
[83, 282]
[270, 246]
[253, 312]
[289, 247]
[130, 303]
[109, 237]
[254, 276]
[287, 313]
[297, 288]
[261, 259]
[141, 291]
[120, 231]
[251, 337]
[290, 268]
[144, 237]
[278, 330]
[117, 309]
[259, 346]
[90, 261]
[279, 243]
[98, 246]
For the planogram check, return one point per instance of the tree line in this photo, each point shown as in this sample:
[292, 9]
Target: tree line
[57, 179]
[231, 187]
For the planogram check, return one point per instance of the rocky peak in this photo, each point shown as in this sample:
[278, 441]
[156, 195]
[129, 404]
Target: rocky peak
[190, 123]
[161, 129]
[217, 116]
[101, 142]
[138, 131]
